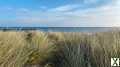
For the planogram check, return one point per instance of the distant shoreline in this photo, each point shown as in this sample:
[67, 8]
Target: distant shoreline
[62, 29]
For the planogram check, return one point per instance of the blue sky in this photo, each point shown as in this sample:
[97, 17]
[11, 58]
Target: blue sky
[59, 13]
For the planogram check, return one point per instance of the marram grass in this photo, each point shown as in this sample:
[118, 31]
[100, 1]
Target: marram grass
[58, 49]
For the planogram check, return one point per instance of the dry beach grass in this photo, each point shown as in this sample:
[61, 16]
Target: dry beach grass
[58, 49]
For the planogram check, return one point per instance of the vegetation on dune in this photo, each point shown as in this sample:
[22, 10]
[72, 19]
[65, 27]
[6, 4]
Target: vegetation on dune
[58, 49]
[17, 51]
[13, 51]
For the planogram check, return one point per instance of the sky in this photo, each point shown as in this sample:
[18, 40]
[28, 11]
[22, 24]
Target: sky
[59, 13]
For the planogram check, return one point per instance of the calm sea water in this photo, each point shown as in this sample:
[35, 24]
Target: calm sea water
[63, 29]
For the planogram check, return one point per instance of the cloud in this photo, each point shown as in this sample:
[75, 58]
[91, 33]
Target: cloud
[71, 15]
[65, 8]
[104, 16]
[6, 8]
[23, 9]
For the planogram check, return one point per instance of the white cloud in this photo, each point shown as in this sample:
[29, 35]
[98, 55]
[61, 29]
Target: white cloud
[5, 8]
[108, 15]
[65, 8]
[23, 10]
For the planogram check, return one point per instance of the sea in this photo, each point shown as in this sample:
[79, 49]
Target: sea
[63, 29]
